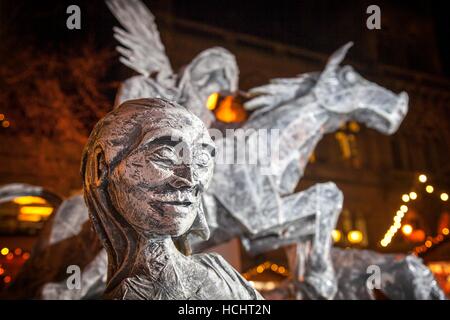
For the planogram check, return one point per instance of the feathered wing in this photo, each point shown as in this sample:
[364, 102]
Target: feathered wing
[279, 92]
[142, 49]
[283, 108]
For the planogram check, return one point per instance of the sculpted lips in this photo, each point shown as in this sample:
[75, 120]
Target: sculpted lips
[178, 203]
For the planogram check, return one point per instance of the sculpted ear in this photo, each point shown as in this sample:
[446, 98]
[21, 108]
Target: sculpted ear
[337, 57]
[100, 168]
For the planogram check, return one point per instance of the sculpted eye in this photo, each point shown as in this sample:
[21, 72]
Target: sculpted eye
[164, 155]
[351, 76]
[202, 158]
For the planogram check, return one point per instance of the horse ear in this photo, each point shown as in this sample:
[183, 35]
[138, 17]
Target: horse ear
[337, 57]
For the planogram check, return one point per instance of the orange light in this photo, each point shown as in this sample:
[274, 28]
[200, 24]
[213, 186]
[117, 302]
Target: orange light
[407, 229]
[18, 251]
[274, 267]
[40, 211]
[337, 235]
[2, 271]
[7, 279]
[29, 200]
[5, 124]
[4, 251]
[260, 269]
[417, 236]
[445, 231]
[211, 103]
[26, 256]
[353, 126]
[281, 269]
[9, 256]
[2, 117]
[29, 217]
[355, 236]
[229, 111]
[428, 243]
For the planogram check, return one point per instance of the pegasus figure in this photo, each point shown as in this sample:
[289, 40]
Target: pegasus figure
[243, 200]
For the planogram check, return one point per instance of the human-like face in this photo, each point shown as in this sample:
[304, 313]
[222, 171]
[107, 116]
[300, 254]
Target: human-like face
[158, 186]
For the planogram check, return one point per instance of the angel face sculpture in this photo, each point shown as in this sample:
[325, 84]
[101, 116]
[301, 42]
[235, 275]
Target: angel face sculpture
[144, 169]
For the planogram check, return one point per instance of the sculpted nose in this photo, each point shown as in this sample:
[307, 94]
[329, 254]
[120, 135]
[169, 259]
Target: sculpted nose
[183, 177]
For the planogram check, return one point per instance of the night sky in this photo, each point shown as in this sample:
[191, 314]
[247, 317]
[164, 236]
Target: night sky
[317, 25]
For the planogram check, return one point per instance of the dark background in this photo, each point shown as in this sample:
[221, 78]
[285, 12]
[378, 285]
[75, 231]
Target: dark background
[318, 25]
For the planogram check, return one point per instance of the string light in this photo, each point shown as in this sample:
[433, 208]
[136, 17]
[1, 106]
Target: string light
[267, 265]
[429, 188]
[423, 178]
[444, 196]
[405, 198]
[395, 226]
[432, 242]
[413, 195]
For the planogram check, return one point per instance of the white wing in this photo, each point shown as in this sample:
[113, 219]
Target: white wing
[142, 49]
